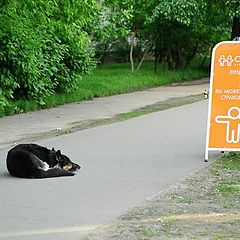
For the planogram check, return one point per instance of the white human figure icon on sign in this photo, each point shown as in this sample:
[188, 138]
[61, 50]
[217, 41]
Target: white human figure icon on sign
[222, 60]
[229, 60]
[232, 119]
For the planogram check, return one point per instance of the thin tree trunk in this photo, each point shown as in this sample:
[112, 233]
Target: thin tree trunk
[169, 59]
[156, 61]
[144, 55]
[190, 57]
[131, 51]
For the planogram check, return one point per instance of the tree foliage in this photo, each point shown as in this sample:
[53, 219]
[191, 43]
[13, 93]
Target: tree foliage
[44, 46]
[173, 31]
[187, 28]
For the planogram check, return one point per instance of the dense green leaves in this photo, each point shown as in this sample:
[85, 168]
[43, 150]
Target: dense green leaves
[173, 31]
[44, 47]
[182, 11]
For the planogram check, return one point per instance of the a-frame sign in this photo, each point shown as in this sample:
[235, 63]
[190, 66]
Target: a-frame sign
[223, 128]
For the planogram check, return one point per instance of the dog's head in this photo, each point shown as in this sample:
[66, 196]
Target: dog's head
[62, 161]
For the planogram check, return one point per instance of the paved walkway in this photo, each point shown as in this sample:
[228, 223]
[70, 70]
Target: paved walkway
[123, 164]
[34, 125]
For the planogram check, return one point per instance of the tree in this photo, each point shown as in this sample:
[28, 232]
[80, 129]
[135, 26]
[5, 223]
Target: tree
[185, 28]
[177, 25]
[227, 15]
[234, 13]
[44, 46]
[174, 31]
[122, 29]
[111, 26]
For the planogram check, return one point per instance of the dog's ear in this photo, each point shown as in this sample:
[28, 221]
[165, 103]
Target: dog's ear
[53, 150]
[58, 155]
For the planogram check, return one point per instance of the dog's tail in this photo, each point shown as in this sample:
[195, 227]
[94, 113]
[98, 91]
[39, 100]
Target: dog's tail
[52, 172]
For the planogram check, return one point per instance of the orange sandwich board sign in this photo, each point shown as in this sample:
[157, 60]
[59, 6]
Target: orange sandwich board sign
[223, 130]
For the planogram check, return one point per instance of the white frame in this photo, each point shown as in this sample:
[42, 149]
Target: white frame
[210, 103]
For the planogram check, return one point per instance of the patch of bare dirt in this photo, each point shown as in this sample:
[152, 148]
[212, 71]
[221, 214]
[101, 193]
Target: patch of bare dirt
[195, 209]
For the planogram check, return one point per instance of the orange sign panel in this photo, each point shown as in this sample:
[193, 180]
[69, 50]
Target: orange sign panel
[224, 104]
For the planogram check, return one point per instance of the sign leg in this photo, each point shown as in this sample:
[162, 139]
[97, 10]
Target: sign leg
[206, 155]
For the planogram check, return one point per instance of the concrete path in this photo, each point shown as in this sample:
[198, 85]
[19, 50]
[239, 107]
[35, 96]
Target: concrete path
[123, 164]
[34, 125]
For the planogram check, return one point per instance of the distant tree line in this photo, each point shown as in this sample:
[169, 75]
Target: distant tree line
[174, 32]
[47, 45]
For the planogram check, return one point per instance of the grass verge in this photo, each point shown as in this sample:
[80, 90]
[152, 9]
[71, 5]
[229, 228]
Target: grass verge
[108, 80]
[85, 124]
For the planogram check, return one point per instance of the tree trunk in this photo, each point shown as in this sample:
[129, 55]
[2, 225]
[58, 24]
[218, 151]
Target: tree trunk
[179, 59]
[131, 51]
[144, 55]
[190, 57]
[169, 59]
[235, 27]
[155, 58]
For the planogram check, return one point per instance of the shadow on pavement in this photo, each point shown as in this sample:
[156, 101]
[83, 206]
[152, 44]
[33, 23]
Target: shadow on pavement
[5, 175]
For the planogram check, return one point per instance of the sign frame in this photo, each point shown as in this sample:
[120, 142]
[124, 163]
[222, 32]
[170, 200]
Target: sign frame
[210, 103]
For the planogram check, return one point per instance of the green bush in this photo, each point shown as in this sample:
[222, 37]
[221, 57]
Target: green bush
[44, 47]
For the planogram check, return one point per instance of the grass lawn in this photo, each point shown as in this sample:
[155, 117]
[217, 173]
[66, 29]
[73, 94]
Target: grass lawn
[108, 80]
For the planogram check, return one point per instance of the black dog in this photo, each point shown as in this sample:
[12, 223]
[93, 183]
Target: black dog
[34, 161]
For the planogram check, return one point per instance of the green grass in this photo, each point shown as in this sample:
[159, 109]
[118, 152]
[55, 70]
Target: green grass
[108, 80]
[231, 161]
[225, 168]
[229, 187]
[220, 237]
[117, 78]
[149, 233]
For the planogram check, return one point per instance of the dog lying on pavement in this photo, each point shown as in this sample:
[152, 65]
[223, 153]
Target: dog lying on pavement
[35, 161]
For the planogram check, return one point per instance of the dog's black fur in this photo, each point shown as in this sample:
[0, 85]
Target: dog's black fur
[35, 161]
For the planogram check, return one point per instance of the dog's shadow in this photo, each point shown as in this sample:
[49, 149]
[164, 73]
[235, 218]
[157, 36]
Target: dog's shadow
[5, 175]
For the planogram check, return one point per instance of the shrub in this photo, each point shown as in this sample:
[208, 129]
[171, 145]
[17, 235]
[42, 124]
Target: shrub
[44, 47]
